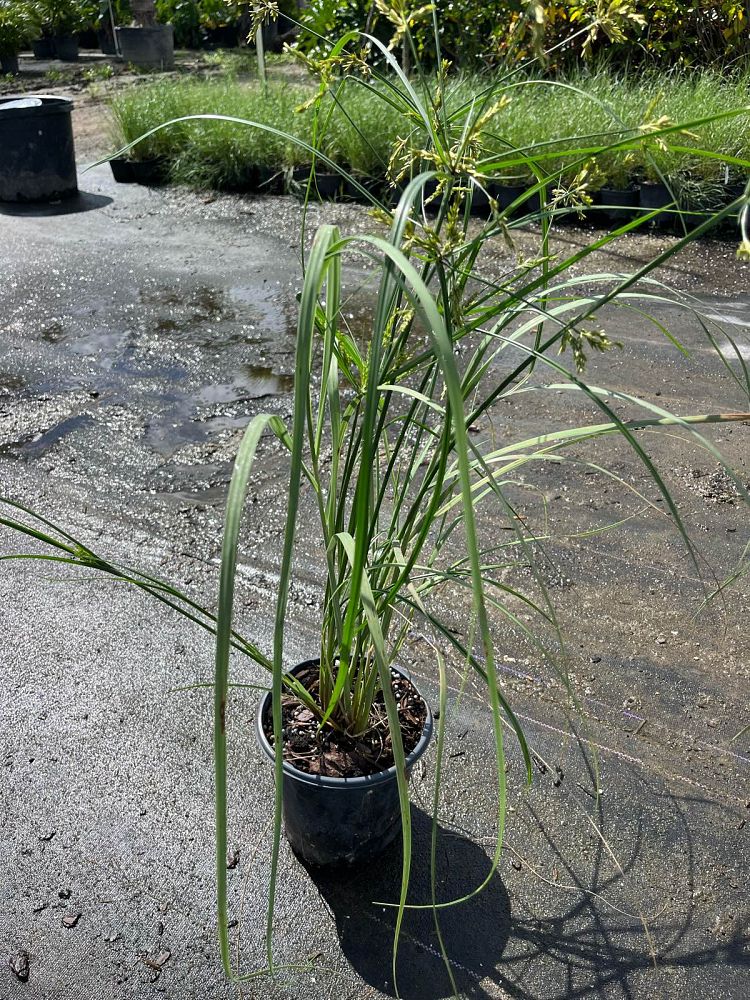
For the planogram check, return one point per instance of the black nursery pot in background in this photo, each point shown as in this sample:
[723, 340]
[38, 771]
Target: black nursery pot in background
[66, 48]
[268, 180]
[618, 204]
[9, 64]
[731, 193]
[339, 821]
[43, 48]
[324, 185]
[149, 172]
[105, 39]
[122, 170]
[480, 202]
[506, 194]
[377, 189]
[655, 196]
[151, 48]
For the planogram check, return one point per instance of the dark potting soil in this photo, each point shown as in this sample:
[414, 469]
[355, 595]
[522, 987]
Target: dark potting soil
[335, 754]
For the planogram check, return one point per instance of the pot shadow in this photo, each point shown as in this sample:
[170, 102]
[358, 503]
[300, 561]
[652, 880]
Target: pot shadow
[475, 933]
[84, 201]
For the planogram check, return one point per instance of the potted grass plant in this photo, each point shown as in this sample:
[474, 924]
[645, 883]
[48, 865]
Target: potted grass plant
[384, 462]
[145, 164]
[698, 196]
[656, 189]
[618, 194]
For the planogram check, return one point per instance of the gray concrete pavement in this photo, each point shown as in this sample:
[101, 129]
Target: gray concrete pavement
[136, 339]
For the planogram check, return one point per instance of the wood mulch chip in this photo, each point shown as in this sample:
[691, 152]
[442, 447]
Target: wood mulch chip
[338, 755]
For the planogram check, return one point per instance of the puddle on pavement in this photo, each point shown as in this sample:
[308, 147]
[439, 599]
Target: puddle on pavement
[205, 482]
[251, 382]
[175, 358]
[173, 311]
[203, 301]
[176, 425]
[210, 317]
[37, 445]
[177, 420]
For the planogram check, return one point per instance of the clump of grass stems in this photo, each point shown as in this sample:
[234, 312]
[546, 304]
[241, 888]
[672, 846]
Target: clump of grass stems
[379, 435]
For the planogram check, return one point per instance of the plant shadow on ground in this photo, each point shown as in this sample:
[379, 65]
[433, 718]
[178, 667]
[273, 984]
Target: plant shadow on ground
[578, 938]
[586, 936]
[84, 201]
[475, 933]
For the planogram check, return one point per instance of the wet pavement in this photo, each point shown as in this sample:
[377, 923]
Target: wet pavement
[138, 335]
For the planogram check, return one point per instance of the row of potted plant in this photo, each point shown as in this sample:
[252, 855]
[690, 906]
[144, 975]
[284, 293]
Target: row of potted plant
[677, 200]
[52, 28]
[518, 142]
[18, 24]
[49, 26]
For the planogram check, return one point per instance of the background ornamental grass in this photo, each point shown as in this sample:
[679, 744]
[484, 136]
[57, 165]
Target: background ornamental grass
[356, 129]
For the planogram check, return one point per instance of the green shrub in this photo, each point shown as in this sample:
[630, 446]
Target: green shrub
[474, 32]
[19, 22]
[67, 17]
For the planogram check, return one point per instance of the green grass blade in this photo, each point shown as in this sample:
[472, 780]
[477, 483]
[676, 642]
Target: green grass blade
[235, 504]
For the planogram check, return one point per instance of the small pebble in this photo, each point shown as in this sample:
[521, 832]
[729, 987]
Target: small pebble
[19, 965]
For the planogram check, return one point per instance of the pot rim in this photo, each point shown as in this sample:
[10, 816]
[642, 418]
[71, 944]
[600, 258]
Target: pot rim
[360, 781]
[51, 105]
[153, 29]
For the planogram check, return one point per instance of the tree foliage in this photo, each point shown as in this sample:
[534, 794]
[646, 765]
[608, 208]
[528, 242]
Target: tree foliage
[472, 32]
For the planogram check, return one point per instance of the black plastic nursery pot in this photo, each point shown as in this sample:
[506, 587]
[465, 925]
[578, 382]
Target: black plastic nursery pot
[254, 179]
[618, 204]
[224, 36]
[122, 170]
[731, 193]
[150, 48]
[506, 194]
[66, 47]
[88, 38]
[9, 64]
[371, 184]
[43, 48]
[105, 39]
[324, 185]
[339, 821]
[655, 196]
[149, 172]
[38, 158]
[480, 202]
[268, 180]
